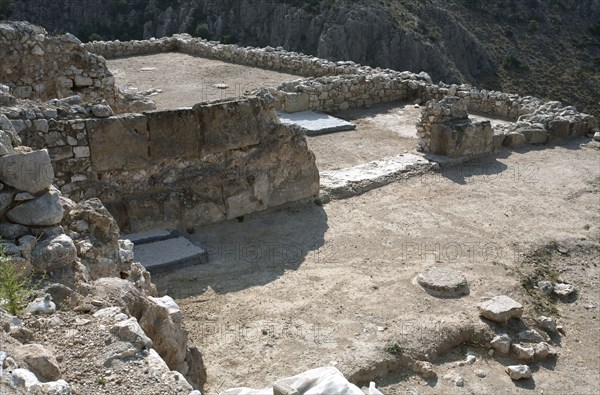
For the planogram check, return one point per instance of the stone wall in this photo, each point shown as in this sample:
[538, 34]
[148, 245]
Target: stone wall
[37, 66]
[444, 128]
[180, 168]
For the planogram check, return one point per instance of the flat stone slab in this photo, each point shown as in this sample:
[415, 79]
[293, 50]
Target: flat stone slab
[315, 123]
[500, 308]
[151, 236]
[353, 181]
[170, 254]
[443, 282]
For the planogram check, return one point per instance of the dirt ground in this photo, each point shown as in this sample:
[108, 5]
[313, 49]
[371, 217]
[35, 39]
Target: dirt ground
[381, 130]
[308, 286]
[186, 80]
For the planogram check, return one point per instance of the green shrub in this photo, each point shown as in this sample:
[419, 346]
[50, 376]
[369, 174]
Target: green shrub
[202, 31]
[15, 290]
[229, 39]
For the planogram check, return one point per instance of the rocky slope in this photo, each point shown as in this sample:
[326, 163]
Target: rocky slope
[549, 48]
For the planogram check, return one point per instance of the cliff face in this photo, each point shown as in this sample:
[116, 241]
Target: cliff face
[512, 45]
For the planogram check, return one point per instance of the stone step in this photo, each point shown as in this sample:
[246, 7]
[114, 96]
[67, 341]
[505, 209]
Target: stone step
[315, 123]
[353, 181]
[165, 250]
[151, 236]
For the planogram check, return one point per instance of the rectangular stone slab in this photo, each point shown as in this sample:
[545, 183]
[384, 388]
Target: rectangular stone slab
[151, 236]
[315, 123]
[353, 181]
[168, 255]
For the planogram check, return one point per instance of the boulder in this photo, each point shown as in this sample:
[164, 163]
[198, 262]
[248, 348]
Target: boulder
[6, 147]
[6, 198]
[29, 171]
[39, 360]
[500, 308]
[7, 126]
[12, 231]
[43, 305]
[54, 253]
[45, 210]
[523, 352]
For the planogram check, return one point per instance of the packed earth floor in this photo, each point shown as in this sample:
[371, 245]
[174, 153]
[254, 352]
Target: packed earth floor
[298, 288]
[309, 286]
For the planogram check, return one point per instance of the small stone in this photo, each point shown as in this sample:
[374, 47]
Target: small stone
[523, 353]
[480, 373]
[501, 343]
[491, 353]
[547, 324]
[547, 287]
[500, 308]
[425, 369]
[518, 372]
[102, 111]
[471, 359]
[543, 350]
[531, 336]
[562, 289]
[597, 136]
[81, 152]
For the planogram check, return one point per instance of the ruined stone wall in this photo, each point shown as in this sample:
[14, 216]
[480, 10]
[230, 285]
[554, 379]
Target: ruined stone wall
[179, 168]
[37, 66]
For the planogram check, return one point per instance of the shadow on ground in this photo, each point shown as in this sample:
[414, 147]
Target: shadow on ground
[250, 252]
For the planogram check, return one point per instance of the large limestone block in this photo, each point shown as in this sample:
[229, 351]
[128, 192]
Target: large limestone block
[173, 134]
[462, 139]
[30, 171]
[234, 124]
[118, 142]
[45, 210]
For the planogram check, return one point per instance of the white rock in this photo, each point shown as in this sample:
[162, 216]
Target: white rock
[523, 352]
[43, 305]
[500, 308]
[563, 289]
[546, 323]
[130, 331]
[518, 372]
[501, 343]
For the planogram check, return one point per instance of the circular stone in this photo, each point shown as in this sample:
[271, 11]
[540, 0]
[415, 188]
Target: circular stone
[443, 282]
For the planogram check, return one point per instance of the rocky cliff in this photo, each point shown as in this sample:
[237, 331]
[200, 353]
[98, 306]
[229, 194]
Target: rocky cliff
[508, 45]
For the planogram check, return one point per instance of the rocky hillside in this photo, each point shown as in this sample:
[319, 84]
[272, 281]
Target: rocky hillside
[547, 48]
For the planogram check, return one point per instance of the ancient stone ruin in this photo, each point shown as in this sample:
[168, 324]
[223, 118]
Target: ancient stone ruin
[82, 164]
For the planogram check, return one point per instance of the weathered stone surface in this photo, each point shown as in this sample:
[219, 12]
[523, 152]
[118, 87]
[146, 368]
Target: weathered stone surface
[45, 210]
[40, 361]
[12, 231]
[443, 282]
[546, 323]
[518, 372]
[562, 289]
[6, 147]
[501, 343]
[54, 253]
[531, 336]
[102, 110]
[222, 132]
[118, 142]
[30, 172]
[500, 308]
[174, 134]
[515, 139]
[522, 352]
[6, 198]
[130, 331]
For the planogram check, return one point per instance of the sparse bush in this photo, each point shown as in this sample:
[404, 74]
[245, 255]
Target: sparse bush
[229, 39]
[95, 37]
[15, 290]
[202, 31]
[533, 26]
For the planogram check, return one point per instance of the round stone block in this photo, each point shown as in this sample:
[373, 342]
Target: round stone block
[443, 282]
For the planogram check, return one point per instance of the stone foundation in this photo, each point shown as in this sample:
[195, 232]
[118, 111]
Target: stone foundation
[180, 168]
